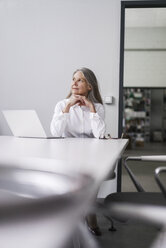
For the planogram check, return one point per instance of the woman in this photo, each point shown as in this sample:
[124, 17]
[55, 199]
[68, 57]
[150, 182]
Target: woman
[81, 115]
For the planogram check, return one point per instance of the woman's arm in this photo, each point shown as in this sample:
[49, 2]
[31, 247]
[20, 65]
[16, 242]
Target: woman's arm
[97, 122]
[61, 115]
[96, 117]
[59, 120]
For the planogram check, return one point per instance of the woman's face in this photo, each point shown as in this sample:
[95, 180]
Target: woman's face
[79, 84]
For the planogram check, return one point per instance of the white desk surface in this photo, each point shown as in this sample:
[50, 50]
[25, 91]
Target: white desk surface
[91, 156]
[95, 157]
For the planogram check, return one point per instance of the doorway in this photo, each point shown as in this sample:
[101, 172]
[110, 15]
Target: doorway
[143, 77]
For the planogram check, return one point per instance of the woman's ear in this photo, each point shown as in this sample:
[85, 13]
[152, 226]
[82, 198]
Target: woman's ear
[89, 87]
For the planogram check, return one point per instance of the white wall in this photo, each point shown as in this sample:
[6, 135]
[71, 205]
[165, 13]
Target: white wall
[43, 41]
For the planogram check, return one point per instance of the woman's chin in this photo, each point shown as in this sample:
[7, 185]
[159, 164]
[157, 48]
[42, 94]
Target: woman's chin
[75, 92]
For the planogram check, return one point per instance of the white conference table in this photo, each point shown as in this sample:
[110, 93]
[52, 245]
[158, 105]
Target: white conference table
[95, 157]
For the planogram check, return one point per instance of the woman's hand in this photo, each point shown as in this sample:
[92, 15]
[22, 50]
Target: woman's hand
[86, 102]
[81, 101]
[74, 99]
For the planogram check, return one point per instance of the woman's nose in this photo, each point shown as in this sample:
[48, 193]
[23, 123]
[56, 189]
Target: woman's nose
[74, 82]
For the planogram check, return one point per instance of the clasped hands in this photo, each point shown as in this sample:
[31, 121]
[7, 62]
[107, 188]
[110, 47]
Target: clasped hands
[80, 101]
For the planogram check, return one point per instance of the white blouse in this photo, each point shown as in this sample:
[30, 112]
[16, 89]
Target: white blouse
[79, 122]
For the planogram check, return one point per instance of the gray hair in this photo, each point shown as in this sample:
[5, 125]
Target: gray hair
[94, 93]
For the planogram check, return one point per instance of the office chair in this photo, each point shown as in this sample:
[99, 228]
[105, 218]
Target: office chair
[98, 207]
[158, 172]
[40, 209]
[155, 215]
[141, 196]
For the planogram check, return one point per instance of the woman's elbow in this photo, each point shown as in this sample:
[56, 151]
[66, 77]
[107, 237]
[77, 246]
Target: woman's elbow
[99, 134]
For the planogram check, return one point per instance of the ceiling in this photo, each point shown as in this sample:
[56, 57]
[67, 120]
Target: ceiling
[145, 17]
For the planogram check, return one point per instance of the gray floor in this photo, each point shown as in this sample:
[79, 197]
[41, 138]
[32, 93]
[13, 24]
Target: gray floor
[128, 235]
[134, 235]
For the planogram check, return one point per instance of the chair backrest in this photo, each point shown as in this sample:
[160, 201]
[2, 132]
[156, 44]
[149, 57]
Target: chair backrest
[39, 209]
[147, 213]
[153, 158]
[131, 174]
[158, 172]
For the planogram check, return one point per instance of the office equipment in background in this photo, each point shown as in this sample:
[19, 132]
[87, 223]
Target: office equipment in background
[25, 123]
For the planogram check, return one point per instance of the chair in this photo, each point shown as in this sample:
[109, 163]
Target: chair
[158, 172]
[139, 197]
[155, 215]
[40, 209]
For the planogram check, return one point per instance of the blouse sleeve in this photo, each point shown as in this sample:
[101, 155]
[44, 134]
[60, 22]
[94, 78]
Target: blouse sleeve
[59, 121]
[97, 122]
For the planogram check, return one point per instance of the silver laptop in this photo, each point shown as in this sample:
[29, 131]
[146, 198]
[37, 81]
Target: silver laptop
[25, 123]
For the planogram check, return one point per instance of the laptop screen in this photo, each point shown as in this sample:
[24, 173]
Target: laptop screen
[24, 123]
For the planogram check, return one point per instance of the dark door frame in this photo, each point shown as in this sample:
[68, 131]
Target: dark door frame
[124, 5]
